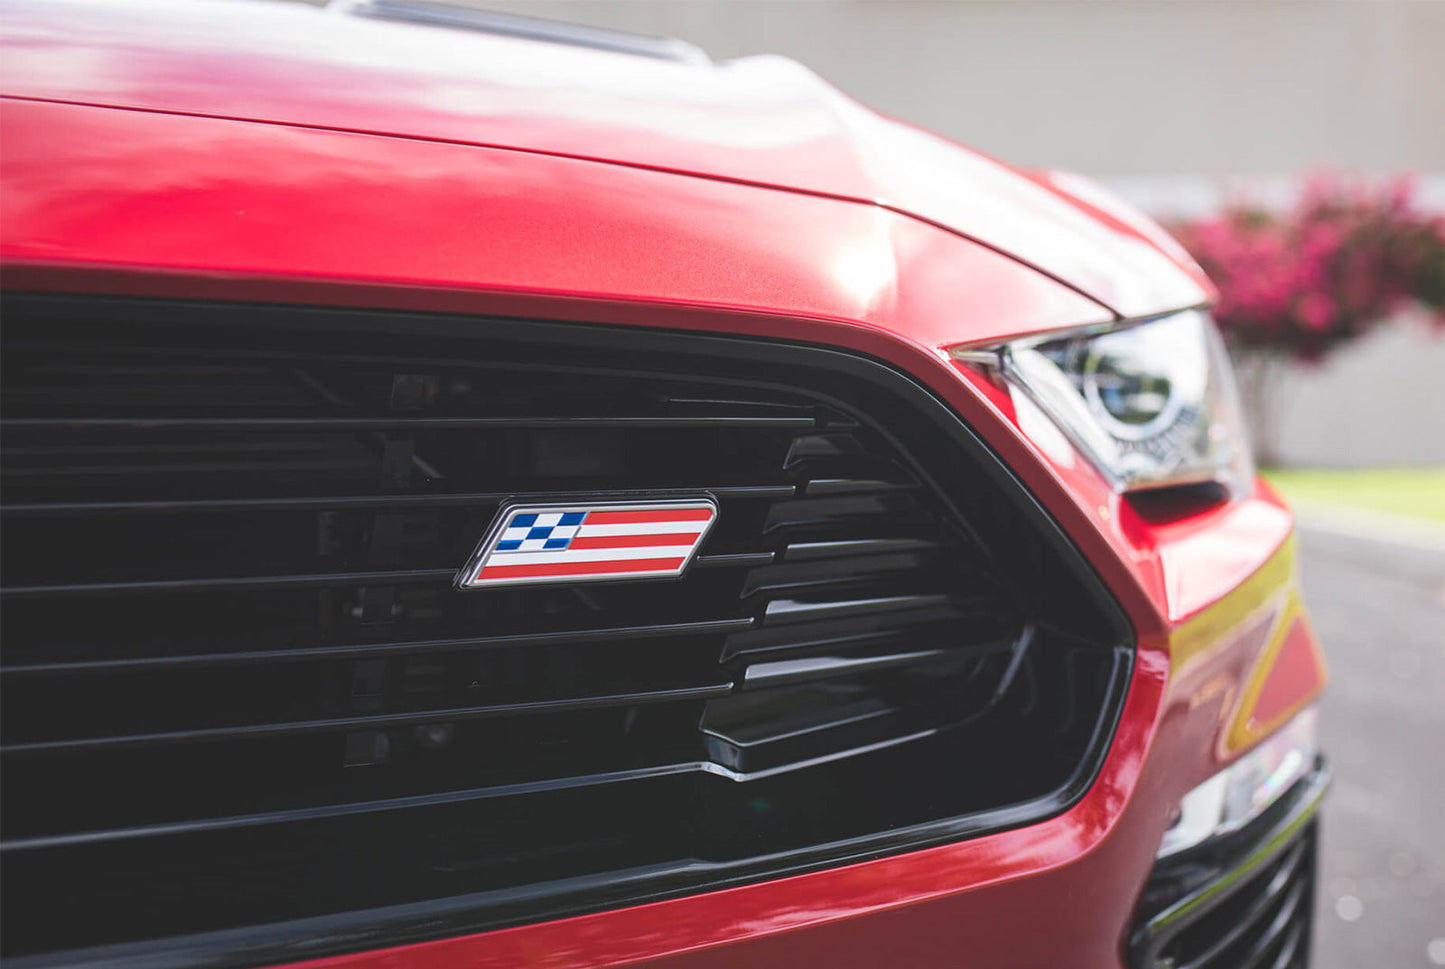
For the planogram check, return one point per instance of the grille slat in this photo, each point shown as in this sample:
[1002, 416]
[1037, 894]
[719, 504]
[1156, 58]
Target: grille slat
[734, 560]
[247, 731]
[761, 675]
[1290, 949]
[328, 811]
[374, 650]
[807, 551]
[228, 569]
[372, 722]
[149, 424]
[344, 502]
[780, 611]
[250, 582]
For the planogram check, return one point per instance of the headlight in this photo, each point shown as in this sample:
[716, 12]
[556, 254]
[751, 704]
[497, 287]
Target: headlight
[1151, 403]
[1238, 794]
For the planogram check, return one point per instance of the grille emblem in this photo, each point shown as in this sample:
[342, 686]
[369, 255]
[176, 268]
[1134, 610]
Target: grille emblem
[589, 542]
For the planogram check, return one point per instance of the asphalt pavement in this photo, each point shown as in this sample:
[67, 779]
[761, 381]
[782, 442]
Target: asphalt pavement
[1379, 609]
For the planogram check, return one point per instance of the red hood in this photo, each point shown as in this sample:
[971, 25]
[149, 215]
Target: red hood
[762, 120]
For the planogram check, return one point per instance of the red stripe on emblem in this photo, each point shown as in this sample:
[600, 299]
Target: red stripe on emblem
[654, 515]
[633, 541]
[581, 568]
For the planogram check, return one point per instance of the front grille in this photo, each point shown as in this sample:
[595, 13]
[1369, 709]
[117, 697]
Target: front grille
[246, 716]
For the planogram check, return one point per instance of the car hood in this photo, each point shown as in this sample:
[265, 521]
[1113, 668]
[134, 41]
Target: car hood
[759, 120]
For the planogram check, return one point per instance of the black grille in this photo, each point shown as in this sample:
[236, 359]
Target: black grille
[239, 689]
[1238, 901]
[1265, 924]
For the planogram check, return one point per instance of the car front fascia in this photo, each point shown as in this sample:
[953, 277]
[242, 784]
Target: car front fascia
[608, 244]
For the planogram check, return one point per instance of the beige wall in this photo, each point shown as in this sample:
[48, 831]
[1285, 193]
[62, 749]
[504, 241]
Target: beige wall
[1380, 402]
[1107, 87]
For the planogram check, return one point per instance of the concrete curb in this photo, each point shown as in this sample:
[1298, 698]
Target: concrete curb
[1370, 525]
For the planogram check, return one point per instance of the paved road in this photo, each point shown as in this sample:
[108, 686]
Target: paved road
[1380, 611]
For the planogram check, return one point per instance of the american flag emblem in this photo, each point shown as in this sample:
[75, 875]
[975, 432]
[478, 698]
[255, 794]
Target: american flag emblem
[589, 542]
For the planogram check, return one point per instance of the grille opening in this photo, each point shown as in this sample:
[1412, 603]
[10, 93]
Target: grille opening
[239, 692]
[1269, 912]
[1265, 921]
[1244, 899]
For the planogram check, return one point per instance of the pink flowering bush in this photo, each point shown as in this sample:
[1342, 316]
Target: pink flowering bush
[1298, 283]
[1345, 258]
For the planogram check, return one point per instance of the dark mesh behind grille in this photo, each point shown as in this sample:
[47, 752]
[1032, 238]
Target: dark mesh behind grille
[239, 688]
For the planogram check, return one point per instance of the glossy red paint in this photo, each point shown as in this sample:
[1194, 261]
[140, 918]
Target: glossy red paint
[762, 120]
[186, 195]
[1296, 670]
[150, 202]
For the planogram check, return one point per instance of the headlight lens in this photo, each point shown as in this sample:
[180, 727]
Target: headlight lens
[1240, 793]
[1152, 403]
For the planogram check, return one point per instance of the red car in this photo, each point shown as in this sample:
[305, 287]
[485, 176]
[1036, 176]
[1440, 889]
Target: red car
[484, 492]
